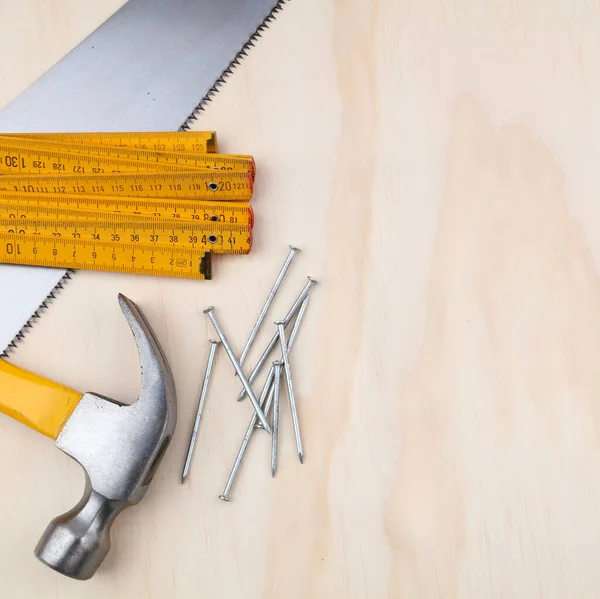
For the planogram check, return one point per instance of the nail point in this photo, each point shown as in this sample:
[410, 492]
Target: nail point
[301, 458]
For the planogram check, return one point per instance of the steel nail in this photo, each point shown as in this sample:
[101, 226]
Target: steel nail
[270, 298]
[290, 387]
[266, 391]
[238, 368]
[201, 400]
[275, 435]
[295, 307]
[295, 329]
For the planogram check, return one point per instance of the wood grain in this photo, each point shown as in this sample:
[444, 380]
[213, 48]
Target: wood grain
[437, 163]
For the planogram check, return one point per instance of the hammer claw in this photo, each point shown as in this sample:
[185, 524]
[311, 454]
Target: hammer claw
[119, 447]
[155, 371]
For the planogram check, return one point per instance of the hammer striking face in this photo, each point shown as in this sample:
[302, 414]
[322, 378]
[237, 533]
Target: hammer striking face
[119, 446]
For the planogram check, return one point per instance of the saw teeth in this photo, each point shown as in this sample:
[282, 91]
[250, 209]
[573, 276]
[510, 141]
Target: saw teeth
[234, 63]
[37, 314]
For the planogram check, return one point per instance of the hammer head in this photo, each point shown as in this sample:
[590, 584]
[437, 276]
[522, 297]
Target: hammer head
[120, 447]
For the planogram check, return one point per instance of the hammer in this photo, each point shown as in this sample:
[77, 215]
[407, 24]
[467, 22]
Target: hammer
[119, 446]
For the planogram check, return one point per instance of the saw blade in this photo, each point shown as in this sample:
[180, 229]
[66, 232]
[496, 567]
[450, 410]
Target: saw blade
[150, 67]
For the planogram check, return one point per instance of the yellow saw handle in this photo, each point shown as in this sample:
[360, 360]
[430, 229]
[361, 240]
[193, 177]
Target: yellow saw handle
[39, 403]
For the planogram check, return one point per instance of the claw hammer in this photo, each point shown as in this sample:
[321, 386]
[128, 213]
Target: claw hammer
[119, 446]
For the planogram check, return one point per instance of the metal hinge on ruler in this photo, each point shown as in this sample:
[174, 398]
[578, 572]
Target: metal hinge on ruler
[151, 66]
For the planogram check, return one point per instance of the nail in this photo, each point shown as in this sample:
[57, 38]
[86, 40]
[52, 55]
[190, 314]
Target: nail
[236, 365]
[290, 387]
[267, 390]
[275, 435]
[201, 400]
[270, 298]
[295, 329]
[295, 307]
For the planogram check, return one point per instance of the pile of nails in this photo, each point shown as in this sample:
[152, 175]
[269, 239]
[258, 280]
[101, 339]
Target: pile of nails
[270, 394]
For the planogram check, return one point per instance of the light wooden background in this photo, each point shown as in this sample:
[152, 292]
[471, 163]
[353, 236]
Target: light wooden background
[438, 164]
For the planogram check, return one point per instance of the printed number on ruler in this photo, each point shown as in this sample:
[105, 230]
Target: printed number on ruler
[203, 142]
[22, 205]
[218, 237]
[21, 158]
[35, 250]
[191, 160]
[194, 185]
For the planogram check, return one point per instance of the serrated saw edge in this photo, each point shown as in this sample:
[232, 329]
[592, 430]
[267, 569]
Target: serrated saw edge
[37, 314]
[184, 127]
[233, 64]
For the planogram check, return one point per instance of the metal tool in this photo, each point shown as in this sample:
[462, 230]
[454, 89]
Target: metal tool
[119, 446]
[236, 365]
[270, 298]
[249, 432]
[290, 387]
[151, 66]
[266, 399]
[297, 323]
[275, 434]
[288, 317]
[190, 452]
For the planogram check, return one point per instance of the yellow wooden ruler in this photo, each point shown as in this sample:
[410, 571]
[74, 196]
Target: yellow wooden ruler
[219, 238]
[31, 206]
[181, 141]
[192, 159]
[152, 203]
[123, 257]
[191, 185]
[19, 157]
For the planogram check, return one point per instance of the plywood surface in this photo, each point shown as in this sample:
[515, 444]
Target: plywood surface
[438, 164]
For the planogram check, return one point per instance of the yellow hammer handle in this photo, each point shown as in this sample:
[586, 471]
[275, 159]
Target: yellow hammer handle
[39, 403]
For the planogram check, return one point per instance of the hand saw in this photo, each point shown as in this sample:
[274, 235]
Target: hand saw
[150, 67]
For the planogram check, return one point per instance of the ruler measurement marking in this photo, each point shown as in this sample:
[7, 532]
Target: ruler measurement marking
[30, 206]
[221, 239]
[163, 261]
[189, 141]
[123, 203]
[20, 156]
[193, 185]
